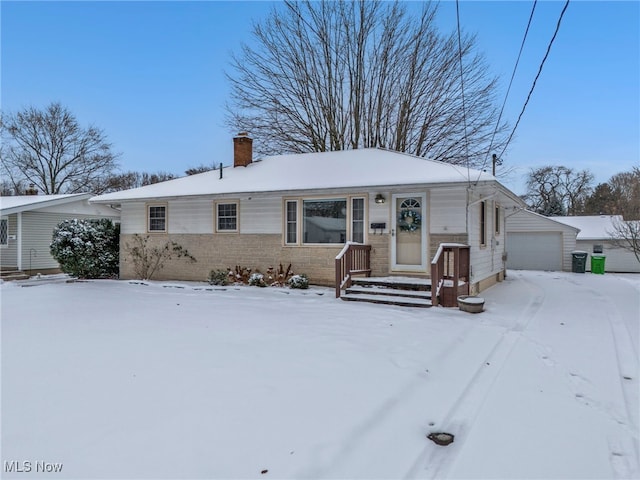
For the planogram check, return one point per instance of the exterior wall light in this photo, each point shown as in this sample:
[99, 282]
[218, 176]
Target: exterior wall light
[380, 198]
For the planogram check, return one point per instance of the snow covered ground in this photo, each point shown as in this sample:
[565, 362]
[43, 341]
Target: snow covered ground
[118, 380]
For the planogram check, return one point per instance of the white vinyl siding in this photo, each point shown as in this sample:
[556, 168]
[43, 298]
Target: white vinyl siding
[447, 209]
[261, 214]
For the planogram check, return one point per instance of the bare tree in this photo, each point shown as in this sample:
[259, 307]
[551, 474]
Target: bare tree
[49, 149]
[127, 180]
[334, 75]
[626, 235]
[556, 190]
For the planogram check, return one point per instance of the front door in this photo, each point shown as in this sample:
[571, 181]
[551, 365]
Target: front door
[409, 238]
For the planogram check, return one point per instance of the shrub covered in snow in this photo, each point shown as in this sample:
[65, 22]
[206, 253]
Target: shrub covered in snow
[218, 277]
[257, 280]
[87, 248]
[299, 281]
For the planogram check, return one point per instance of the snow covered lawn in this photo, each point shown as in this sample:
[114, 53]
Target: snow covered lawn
[119, 380]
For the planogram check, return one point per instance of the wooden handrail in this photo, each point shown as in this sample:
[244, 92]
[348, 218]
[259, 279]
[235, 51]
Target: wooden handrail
[447, 272]
[354, 258]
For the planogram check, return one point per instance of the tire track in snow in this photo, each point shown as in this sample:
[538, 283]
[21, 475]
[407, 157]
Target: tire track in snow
[435, 461]
[624, 458]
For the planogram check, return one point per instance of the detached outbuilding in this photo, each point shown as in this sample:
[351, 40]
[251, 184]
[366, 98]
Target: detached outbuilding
[27, 223]
[595, 238]
[536, 242]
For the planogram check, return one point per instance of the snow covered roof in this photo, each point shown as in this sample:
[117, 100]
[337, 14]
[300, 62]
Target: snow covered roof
[592, 227]
[22, 203]
[368, 167]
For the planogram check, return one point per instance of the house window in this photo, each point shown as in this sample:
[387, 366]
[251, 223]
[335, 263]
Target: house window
[4, 232]
[292, 222]
[483, 224]
[598, 249]
[157, 218]
[227, 217]
[497, 220]
[357, 220]
[325, 221]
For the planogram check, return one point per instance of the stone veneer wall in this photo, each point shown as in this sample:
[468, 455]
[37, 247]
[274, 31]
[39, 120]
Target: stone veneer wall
[256, 251]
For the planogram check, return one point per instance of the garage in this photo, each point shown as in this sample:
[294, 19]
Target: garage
[534, 251]
[536, 242]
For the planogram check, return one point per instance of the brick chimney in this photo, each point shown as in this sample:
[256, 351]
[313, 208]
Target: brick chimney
[242, 150]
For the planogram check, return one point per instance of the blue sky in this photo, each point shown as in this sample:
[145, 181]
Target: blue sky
[151, 75]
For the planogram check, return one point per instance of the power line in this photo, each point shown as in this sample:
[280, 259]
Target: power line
[464, 108]
[564, 9]
[513, 74]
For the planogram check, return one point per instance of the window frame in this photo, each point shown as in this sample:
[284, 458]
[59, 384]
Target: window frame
[149, 206]
[496, 219]
[299, 201]
[217, 217]
[5, 244]
[363, 220]
[483, 223]
[295, 222]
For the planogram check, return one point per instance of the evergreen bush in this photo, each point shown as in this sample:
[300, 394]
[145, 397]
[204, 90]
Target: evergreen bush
[87, 248]
[299, 281]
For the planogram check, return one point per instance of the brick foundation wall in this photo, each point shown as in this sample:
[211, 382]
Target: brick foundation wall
[221, 251]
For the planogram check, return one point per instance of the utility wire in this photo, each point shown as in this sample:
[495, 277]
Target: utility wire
[536, 79]
[464, 108]
[513, 74]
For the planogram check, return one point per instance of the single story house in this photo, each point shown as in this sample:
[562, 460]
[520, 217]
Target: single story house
[536, 242]
[595, 237]
[303, 209]
[27, 223]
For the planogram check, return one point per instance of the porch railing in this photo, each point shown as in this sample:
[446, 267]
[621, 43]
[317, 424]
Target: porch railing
[353, 259]
[449, 274]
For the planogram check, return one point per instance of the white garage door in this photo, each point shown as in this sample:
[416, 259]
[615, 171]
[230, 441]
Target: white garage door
[534, 251]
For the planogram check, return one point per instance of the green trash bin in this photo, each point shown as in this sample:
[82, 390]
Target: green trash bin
[579, 261]
[597, 264]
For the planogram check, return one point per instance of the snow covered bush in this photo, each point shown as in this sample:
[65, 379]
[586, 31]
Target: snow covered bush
[218, 277]
[87, 248]
[148, 259]
[257, 280]
[299, 281]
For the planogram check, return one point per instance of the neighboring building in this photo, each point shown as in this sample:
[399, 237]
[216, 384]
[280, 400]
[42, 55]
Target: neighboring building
[595, 238]
[27, 223]
[536, 242]
[301, 209]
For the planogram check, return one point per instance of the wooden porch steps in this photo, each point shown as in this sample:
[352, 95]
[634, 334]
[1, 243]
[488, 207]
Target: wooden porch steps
[400, 291]
[9, 275]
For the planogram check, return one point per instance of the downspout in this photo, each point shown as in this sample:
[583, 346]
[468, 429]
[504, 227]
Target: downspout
[19, 240]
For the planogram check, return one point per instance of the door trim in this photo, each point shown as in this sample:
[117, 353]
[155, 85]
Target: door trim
[395, 267]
